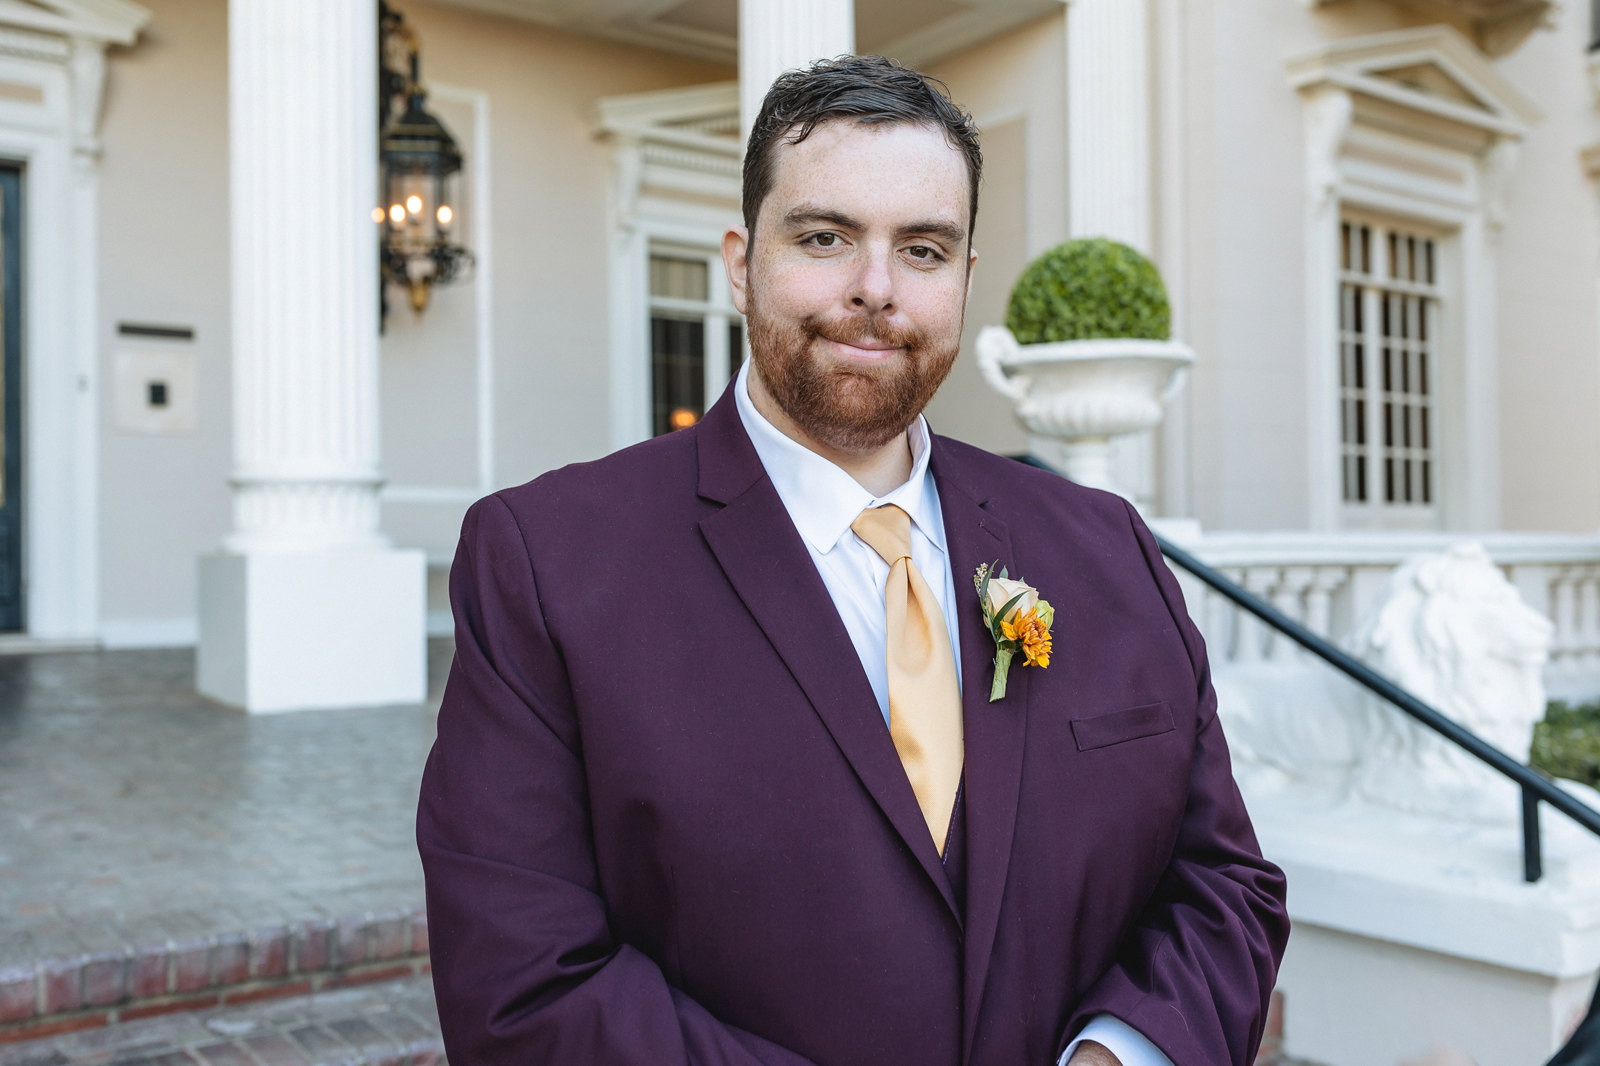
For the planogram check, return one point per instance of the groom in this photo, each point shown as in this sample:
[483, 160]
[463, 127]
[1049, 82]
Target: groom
[719, 780]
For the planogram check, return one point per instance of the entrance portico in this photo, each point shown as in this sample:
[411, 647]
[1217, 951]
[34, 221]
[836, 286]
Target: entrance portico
[307, 604]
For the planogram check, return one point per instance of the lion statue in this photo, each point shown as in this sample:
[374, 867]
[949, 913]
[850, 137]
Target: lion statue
[1452, 630]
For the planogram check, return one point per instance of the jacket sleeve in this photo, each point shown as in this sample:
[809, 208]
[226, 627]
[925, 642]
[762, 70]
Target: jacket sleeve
[525, 968]
[1195, 971]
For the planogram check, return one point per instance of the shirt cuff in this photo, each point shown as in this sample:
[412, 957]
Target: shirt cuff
[1131, 1047]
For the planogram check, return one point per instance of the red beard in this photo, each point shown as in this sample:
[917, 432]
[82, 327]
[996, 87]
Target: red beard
[853, 408]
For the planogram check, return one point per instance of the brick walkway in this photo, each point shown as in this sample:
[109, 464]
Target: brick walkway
[390, 1024]
[130, 807]
[154, 845]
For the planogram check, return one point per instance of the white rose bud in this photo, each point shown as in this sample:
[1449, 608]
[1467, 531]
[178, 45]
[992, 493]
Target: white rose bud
[1001, 591]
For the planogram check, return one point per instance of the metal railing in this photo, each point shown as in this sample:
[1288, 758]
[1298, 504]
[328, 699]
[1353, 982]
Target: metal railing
[1535, 788]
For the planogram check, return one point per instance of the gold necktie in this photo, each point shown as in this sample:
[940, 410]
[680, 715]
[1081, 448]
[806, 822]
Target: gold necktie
[924, 693]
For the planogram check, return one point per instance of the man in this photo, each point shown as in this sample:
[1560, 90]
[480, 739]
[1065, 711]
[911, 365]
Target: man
[719, 780]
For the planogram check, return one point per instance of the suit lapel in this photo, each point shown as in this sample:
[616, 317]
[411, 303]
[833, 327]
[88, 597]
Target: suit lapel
[767, 563]
[994, 731]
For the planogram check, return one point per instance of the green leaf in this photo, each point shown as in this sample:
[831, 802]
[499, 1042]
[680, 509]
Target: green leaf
[1089, 288]
[1001, 614]
[1002, 667]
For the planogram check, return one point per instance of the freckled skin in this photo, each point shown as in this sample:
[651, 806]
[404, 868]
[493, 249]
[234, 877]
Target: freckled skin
[865, 229]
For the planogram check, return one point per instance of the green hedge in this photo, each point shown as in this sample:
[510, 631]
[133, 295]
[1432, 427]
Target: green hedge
[1088, 289]
[1567, 743]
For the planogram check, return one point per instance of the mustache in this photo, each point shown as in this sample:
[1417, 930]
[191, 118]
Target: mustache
[855, 330]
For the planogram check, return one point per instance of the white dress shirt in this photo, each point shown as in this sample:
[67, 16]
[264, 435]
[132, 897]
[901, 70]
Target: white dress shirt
[822, 501]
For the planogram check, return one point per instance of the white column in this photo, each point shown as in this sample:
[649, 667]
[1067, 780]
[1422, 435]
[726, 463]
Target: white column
[1110, 177]
[306, 606]
[1108, 120]
[780, 35]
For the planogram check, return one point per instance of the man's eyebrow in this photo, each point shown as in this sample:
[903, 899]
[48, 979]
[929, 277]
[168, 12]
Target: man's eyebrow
[809, 214]
[949, 231]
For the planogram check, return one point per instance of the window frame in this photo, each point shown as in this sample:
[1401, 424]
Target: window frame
[716, 313]
[1376, 285]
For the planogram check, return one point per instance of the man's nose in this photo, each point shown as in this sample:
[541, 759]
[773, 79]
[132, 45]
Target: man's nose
[873, 291]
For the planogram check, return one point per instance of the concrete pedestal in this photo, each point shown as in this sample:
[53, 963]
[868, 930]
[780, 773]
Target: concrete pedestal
[286, 632]
[1411, 932]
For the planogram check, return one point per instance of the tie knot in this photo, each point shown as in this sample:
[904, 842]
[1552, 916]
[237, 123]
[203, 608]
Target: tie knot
[887, 531]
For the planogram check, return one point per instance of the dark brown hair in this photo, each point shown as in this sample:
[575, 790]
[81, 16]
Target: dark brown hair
[869, 89]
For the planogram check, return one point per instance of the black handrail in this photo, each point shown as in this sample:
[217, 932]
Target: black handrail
[1583, 1049]
[1535, 789]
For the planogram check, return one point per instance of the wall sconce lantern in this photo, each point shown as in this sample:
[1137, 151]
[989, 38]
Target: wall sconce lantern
[419, 166]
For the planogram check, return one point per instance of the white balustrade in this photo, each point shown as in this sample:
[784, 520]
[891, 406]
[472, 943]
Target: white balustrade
[1330, 582]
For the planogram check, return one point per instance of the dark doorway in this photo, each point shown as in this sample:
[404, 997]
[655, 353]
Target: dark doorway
[11, 398]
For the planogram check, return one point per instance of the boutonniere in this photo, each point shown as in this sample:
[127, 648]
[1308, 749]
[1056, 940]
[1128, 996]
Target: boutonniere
[1018, 620]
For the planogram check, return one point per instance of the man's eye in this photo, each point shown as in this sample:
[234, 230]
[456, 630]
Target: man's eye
[922, 251]
[826, 240]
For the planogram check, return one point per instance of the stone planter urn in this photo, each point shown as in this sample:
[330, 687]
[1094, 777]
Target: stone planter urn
[1083, 393]
[1096, 370]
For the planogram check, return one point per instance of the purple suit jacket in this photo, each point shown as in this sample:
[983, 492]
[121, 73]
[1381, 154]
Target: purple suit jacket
[664, 822]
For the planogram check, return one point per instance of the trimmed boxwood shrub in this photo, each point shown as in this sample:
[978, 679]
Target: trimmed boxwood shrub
[1086, 289]
[1567, 743]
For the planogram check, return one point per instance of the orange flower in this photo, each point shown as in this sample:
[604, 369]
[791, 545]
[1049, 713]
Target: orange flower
[1030, 631]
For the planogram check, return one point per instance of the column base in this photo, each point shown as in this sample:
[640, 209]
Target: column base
[290, 632]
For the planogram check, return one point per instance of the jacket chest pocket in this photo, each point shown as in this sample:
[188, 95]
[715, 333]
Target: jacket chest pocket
[1117, 727]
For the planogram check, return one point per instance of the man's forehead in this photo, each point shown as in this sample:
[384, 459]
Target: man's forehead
[903, 162]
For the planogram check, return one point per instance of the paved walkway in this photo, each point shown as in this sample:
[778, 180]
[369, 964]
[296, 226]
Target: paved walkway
[392, 1025]
[131, 809]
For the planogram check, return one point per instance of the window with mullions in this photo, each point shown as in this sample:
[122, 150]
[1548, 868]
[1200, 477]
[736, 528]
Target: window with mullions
[696, 338]
[1388, 365]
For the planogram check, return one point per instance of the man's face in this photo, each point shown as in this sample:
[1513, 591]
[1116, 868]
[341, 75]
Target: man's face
[857, 280]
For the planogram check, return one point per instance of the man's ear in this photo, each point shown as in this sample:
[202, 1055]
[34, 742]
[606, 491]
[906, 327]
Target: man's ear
[972, 264]
[735, 252]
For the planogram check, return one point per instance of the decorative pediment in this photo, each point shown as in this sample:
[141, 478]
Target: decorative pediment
[707, 110]
[1432, 72]
[1498, 27]
[111, 21]
[683, 143]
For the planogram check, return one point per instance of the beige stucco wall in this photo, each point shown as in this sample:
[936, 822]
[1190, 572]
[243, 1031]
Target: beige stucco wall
[164, 225]
[164, 259]
[1549, 317]
[1244, 303]
[1015, 86]
[550, 179]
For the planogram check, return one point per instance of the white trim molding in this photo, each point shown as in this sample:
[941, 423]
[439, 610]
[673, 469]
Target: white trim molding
[57, 49]
[149, 633]
[1498, 27]
[1417, 126]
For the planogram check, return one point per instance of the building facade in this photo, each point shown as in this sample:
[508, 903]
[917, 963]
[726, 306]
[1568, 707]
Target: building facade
[1377, 220]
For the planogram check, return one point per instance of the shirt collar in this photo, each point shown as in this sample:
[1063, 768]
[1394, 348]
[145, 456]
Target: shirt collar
[821, 498]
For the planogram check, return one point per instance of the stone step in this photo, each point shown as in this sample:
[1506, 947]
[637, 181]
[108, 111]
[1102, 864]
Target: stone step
[389, 1024]
[47, 996]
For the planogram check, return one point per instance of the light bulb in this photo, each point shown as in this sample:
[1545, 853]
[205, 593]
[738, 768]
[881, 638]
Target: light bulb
[377, 214]
[413, 203]
[445, 214]
[397, 213]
